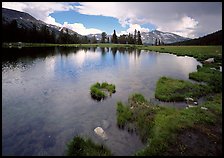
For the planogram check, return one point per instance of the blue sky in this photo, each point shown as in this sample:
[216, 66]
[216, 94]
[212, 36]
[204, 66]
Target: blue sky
[107, 24]
[187, 19]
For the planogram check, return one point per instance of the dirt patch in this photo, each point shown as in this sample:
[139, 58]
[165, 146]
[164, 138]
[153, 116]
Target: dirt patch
[198, 141]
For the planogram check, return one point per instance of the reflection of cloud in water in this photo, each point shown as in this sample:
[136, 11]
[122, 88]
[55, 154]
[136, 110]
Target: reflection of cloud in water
[134, 59]
[181, 65]
[81, 57]
[50, 65]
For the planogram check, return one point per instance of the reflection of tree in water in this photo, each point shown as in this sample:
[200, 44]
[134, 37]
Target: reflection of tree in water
[67, 50]
[122, 50]
[27, 55]
[138, 52]
[103, 51]
[114, 51]
[94, 49]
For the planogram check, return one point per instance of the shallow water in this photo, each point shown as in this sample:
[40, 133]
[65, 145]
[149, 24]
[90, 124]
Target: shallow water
[46, 99]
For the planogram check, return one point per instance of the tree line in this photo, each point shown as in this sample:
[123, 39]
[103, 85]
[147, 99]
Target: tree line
[12, 33]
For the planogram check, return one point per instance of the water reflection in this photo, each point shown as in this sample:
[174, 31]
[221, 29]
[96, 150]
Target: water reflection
[46, 98]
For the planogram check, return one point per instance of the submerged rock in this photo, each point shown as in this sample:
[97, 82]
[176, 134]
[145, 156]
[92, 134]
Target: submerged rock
[105, 124]
[100, 132]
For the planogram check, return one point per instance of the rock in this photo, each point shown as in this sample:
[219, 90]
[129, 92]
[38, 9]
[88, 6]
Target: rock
[220, 68]
[210, 60]
[195, 103]
[212, 68]
[189, 99]
[105, 124]
[191, 106]
[204, 108]
[187, 108]
[100, 132]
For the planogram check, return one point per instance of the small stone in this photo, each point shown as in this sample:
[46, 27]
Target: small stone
[189, 99]
[191, 106]
[204, 108]
[210, 60]
[195, 103]
[212, 68]
[187, 107]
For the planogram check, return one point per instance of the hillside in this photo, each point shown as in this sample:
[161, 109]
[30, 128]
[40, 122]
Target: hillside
[210, 39]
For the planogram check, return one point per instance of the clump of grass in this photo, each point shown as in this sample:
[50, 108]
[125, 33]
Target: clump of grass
[168, 89]
[124, 114]
[98, 91]
[79, 146]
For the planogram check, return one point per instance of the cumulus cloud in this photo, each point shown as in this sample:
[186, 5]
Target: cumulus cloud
[81, 29]
[132, 28]
[183, 18]
[189, 19]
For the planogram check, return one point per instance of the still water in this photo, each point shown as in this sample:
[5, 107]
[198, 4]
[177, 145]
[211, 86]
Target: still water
[46, 99]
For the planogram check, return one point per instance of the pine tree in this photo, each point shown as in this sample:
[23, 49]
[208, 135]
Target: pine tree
[139, 40]
[103, 37]
[135, 37]
[114, 38]
[156, 42]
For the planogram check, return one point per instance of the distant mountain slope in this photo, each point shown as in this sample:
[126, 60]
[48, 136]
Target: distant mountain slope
[210, 39]
[149, 38]
[166, 37]
[26, 21]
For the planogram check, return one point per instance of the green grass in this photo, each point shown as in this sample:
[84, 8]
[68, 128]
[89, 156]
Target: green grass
[79, 146]
[199, 52]
[168, 89]
[124, 114]
[159, 125]
[212, 77]
[98, 91]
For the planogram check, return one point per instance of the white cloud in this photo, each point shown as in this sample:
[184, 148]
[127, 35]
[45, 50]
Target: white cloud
[187, 19]
[81, 29]
[186, 27]
[50, 20]
[132, 28]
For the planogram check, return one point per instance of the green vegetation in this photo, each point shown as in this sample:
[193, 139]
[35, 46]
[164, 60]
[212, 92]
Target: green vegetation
[201, 53]
[160, 125]
[124, 114]
[98, 91]
[168, 89]
[210, 76]
[85, 147]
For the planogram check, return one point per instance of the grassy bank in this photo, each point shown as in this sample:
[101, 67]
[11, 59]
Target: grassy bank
[79, 146]
[168, 89]
[201, 53]
[160, 125]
